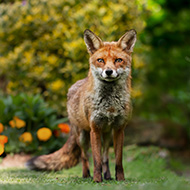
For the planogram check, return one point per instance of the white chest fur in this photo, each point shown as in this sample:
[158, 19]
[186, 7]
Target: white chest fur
[109, 104]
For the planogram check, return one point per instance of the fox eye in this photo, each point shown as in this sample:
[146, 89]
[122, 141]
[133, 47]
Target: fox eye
[100, 60]
[119, 60]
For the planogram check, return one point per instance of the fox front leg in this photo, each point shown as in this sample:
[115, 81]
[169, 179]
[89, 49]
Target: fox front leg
[105, 157]
[118, 138]
[95, 137]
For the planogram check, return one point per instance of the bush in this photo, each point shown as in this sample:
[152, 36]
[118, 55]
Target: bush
[167, 81]
[42, 48]
[30, 125]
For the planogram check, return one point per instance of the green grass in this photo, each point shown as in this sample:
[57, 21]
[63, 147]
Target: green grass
[144, 169]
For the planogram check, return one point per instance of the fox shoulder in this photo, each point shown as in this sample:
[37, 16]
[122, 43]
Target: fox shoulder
[75, 87]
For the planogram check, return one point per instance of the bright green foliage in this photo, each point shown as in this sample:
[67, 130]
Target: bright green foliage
[42, 48]
[35, 112]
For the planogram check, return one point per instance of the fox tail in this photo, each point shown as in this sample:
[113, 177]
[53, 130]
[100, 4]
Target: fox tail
[66, 157]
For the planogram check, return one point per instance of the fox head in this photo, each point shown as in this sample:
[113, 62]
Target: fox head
[110, 61]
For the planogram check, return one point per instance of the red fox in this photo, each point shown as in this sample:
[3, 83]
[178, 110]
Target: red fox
[97, 106]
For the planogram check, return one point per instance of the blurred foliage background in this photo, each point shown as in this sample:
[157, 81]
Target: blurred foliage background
[42, 51]
[42, 48]
[166, 91]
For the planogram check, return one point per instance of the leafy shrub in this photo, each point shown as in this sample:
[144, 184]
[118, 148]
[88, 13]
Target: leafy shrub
[42, 48]
[23, 116]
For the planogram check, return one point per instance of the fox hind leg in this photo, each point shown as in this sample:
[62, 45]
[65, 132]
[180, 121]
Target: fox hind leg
[105, 157]
[84, 143]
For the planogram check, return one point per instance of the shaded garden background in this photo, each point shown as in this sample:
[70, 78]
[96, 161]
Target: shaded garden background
[42, 53]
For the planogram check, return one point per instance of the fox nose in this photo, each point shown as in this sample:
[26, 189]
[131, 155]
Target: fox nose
[109, 72]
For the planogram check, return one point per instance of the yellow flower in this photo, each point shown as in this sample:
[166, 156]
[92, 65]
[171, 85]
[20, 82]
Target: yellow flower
[16, 122]
[3, 139]
[1, 148]
[29, 18]
[28, 55]
[44, 134]
[26, 137]
[1, 127]
[57, 85]
[52, 59]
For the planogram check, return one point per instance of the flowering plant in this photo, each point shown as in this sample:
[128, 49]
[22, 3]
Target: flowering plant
[28, 125]
[41, 44]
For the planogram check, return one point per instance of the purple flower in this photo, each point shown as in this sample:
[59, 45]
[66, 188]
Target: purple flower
[24, 2]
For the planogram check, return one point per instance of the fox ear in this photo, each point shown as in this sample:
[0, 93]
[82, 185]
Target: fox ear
[92, 41]
[127, 41]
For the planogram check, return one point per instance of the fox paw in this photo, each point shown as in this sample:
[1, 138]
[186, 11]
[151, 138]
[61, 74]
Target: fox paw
[97, 179]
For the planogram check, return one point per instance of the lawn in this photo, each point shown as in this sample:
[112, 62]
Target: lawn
[145, 168]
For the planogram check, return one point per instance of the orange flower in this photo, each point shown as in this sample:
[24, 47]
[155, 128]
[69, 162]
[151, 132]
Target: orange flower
[26, 137]
[64, 128]
[3, 139]
[1, 127]
[12, 123]
[1, 148]
[44, 134]
[16, 122]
